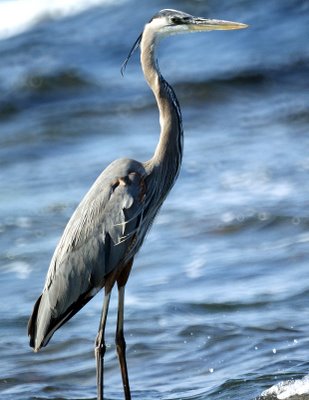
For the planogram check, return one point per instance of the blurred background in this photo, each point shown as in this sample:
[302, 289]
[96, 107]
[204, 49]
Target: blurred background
[217, 302]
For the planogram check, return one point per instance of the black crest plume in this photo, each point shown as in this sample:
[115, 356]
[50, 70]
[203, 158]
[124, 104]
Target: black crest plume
[134, 47]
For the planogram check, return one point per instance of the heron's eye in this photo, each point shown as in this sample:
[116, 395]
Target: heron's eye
[179, 20]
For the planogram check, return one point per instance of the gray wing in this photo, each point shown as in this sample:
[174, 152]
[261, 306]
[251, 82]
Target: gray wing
[95, 241]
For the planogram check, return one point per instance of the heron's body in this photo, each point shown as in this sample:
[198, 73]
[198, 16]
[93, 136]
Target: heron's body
[102, 236]
[108, 227]
[98, 239]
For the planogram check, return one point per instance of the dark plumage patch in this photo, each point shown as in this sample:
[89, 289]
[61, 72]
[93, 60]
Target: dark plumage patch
[55, 323]
[177, 17]
[180, 20]
[108, 244]
[32, 322]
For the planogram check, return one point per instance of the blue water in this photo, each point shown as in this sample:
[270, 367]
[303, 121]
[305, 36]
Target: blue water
[217, 302]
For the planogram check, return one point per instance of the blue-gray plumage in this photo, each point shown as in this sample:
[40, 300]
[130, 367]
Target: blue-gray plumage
[108, 227]
[94, 242]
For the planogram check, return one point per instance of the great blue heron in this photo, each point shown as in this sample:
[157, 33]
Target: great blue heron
[108, 227]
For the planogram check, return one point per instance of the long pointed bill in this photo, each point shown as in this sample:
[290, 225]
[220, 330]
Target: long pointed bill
[203, 24]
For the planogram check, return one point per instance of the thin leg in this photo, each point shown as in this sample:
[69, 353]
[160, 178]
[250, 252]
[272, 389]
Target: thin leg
[100, 346]
[121, 344]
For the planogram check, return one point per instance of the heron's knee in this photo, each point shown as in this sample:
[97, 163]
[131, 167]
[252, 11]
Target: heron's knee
[99, 346]
[100, 350]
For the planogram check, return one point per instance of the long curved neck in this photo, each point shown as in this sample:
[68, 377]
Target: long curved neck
[168, 153]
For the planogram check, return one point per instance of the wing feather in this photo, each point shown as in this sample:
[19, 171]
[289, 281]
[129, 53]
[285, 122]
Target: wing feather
[96, 240]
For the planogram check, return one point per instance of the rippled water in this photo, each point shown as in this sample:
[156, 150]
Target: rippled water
[217, 303]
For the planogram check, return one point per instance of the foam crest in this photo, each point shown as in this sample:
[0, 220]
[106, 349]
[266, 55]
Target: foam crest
[17, 16]
[287, 389]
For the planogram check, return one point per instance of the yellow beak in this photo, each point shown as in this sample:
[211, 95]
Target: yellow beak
[203, 24]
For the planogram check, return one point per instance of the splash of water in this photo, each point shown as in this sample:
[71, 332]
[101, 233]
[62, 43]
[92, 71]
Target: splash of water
[17, 16]
[287, 389]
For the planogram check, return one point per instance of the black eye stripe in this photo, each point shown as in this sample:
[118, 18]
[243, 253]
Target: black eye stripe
[179, 20]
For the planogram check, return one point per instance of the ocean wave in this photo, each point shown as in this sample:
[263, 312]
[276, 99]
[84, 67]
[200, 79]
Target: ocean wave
[18, 16]
[288, 389]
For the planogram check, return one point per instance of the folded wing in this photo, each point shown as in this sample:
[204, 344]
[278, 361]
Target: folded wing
[97, 239]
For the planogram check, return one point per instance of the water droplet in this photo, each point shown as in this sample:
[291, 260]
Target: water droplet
[274, 351]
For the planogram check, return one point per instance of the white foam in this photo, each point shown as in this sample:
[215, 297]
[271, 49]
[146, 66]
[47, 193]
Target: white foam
[242, 186]
[21, 269]
[17, 16]
[196, 267]
[287, 389]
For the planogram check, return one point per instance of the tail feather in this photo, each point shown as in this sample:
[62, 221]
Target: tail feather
[32, 322]
[42, 325]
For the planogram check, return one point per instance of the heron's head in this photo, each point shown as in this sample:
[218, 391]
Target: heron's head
[169, 22]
